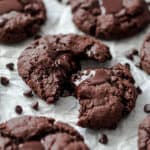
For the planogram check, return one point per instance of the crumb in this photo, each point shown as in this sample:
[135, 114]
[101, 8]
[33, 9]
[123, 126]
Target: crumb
[35, 106]
[147, 108]
[103, 139]
[28, 93]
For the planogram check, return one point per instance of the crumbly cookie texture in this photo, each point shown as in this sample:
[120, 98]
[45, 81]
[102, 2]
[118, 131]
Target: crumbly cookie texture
[20, 19]
[145, 55]
[110, 19]
[40, 133]
[105, 96]
[47, 64]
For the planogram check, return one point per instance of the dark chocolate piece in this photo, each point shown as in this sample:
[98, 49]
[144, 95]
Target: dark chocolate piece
[147, 108]
[4, 81]
[103, 139]
[18, 109]
[10, 66]
[28, 93]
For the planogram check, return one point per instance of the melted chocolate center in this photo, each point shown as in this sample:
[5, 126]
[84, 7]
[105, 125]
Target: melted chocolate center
[10, 5]
[111, 6]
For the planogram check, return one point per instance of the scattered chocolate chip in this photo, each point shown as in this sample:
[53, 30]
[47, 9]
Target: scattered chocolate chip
[130, 56]
[18, 109]
[35, 106]
[139, 90]
[147, 108]
[135, 52]
[28, 93]
[37, 36]
[127, 65]
[132, 53]
[103, 139]
[10, 66]
[4, 81]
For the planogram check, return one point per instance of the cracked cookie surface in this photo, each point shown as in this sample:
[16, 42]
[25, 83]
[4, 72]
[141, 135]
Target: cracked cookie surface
[47, 64]
[103, 19]
[20, 19]
[105, 95]
[39, 133]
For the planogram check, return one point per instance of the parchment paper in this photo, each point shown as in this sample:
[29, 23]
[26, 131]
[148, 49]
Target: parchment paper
[66, 109]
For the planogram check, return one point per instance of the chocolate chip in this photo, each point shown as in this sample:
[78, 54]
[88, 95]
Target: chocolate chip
[18, 109]
[135, 52]
[127, 65]
[2, 22]
[147, 108]
[130, 56]
[35, 106]
[139, 90]
[4, 81]
[103, 139]
[28, 93]
[10, 66]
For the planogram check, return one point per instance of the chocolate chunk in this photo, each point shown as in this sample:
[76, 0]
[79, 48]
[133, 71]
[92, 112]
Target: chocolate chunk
[130, 56]
[39, 133]
[147, 108]
[35, 106]
[10, 66]
[4, 81]
[103, 139]
[110, 19]
[28, 93]
[48, 63]
[20, 19]
[18, 109]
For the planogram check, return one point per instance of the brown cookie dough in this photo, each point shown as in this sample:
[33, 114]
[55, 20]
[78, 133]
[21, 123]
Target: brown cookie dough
[110, 19]
[39, 133]
[47, 64]
[145, 55]
[144, 134]
[105, 96]
[20, 19]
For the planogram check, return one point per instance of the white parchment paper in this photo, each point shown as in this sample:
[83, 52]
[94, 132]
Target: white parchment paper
[66, 109]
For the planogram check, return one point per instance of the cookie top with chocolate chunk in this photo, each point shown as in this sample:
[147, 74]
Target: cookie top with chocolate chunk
[110, 19]
[47, 64]
[20, 19]
[106, 95]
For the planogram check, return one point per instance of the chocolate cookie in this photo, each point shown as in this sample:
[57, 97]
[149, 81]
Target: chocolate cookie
[145, 55]
[110, 19]
[20, 19]
[47, 64]
[144, 134]
[105, 96]
[39, 133]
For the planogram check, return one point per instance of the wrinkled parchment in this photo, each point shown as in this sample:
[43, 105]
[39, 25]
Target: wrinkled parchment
[66, 109]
